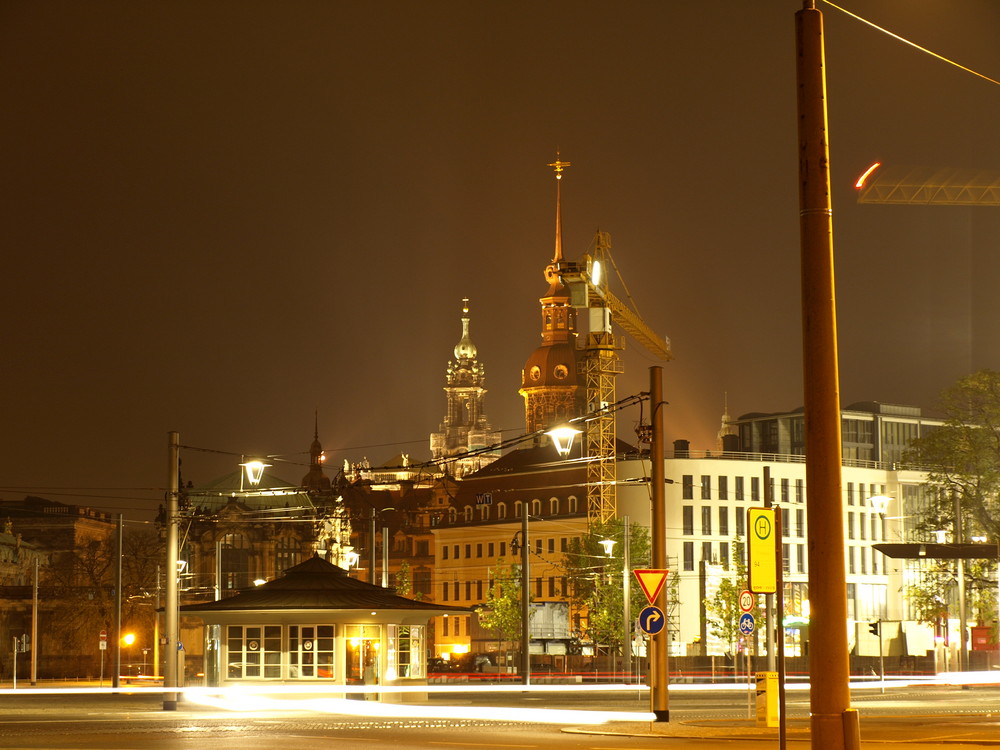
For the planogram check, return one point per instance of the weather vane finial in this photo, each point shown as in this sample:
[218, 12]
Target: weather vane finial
[559, 166]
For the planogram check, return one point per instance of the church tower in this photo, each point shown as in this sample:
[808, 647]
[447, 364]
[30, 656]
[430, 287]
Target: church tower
[315, 480]
[551, 378]
[465, 432]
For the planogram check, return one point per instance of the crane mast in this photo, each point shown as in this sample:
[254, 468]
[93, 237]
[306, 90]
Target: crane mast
[601, 365]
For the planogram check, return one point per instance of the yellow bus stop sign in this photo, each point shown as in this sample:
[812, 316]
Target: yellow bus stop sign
[762, 557]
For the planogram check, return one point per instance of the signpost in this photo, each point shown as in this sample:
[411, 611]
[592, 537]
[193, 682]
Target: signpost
[762, 568]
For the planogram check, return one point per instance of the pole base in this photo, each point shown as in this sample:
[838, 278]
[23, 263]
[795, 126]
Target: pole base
[169, 705]
[662, 715]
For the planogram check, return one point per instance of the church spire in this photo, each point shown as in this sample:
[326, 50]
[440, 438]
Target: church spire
[559, 166]
[465, 349]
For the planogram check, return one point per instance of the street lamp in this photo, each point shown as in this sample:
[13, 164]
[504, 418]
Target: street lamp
[562, 438]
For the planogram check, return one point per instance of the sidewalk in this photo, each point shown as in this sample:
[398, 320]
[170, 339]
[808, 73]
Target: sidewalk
[970, 730]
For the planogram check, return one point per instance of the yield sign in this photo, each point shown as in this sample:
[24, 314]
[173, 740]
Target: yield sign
[651, 582]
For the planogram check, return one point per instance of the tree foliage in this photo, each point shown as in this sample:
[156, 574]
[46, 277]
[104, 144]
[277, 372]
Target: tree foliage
[722, 611]
[596, 579]
[963, 457]
[501, 612]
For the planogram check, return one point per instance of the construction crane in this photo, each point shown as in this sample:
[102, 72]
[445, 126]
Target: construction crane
[946, 186]
[588, 284]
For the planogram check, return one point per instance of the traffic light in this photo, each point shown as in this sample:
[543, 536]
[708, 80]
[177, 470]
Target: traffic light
[873, 627]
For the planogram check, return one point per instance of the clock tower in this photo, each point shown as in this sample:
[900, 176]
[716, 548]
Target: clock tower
[551, 378]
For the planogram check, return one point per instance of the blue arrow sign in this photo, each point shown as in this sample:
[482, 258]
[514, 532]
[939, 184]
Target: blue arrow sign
[651, 620]
[747, 623]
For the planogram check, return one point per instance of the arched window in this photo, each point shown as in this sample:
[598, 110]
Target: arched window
[484, 513]
[468, 513]
[502, 510]
[452, 515]
[536, 507]
[518, 509]
[554, 506]
[572, 504]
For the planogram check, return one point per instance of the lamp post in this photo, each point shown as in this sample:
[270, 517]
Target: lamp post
[172, 615]
[834, 724]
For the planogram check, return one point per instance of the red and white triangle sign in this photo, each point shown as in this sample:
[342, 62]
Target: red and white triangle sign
[651, 582]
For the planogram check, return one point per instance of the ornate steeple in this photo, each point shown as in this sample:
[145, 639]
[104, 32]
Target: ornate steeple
[550, 380]
[465, 429]
[316, 480]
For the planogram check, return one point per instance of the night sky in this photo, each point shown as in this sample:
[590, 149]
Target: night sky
[223, 217]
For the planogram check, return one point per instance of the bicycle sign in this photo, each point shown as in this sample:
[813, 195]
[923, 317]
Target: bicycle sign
[747, 623]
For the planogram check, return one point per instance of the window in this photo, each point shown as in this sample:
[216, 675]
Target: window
[538, 587]
[286, 554]
[484, 513]
[536, 507]
[724, 554]
[739, 489]
[445, 624]
[538, 546]
[254, 651]
[452, 515]
[444, 552]
[490, 550]
[874, 527]
[554, 506]
[740, 522]
[723, 488]
[235, 561]
[455, 591]
[444, 592]
[310, 651]
[479, 550]
[785, 561]
[850, 493]
[862, 528]
[800, 555]
[706, 552]
[786, 522]
[468, 590]
[784, 490]
[688, 555]
[572, 503]
[468, 513]
[800, 522]
[552, 546]
[502, 511]
[687, 487]
[479, 591]
[850, 560]
[755, 489]
[800, 490]
[503, 549]
[518, 509]
[468, 551]
[850, 525]
[864, 559]
[564, 544]
[724, 521]
[706, 521]
[706, 487]
[456, 551]
[687, 520]
[552, 586]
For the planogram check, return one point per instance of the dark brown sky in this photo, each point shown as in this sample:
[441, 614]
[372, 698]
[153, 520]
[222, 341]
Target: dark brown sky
[219, 217]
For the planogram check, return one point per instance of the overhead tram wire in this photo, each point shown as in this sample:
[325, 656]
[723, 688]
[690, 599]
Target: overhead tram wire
[916, 46]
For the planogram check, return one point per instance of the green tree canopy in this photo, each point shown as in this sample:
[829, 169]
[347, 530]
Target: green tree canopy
[596, 579]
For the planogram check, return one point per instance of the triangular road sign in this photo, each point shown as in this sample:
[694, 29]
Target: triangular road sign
[651, 582]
